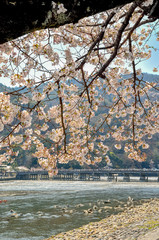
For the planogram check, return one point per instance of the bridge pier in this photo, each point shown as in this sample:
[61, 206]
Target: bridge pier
[33, 177]
[143, 177]
[70, 176]
[43, 177]
[83, 177]
[96, 177]
[59, 176]
[112, 177]
[63, 177]
[126, 177]
[39, 177]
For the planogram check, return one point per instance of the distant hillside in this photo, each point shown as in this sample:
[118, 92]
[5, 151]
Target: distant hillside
[146, 77]
[151, 77]
[4, 88]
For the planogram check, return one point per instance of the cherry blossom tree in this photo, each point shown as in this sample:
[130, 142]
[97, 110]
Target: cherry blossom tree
[64, 77]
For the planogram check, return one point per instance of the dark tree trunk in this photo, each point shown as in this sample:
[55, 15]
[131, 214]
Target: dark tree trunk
[18, 17]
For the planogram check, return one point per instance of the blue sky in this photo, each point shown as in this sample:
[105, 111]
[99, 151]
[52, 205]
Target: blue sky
[148, 65]
[153, 62]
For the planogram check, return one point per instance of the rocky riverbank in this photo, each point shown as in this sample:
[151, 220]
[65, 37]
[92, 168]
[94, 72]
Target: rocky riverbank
[134, 223]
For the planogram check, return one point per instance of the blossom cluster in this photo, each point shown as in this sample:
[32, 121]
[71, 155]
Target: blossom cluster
[78, 87]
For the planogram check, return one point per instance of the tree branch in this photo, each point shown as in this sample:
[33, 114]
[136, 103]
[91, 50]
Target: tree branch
[20, 17]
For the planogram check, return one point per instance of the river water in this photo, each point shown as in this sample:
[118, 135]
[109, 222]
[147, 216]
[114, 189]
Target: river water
[35, 210]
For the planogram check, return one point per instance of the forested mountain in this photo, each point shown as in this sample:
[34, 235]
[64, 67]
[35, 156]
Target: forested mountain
[118, 158]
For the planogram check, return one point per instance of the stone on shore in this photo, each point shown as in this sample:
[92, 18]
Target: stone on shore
[140, 222]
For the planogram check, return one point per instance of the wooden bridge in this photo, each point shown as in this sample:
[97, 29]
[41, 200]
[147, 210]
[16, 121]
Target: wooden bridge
[25, 175]
[109, 174]
[126, 175]
[32, 175]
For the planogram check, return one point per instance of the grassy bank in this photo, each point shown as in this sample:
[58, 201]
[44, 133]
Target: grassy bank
[140, 223]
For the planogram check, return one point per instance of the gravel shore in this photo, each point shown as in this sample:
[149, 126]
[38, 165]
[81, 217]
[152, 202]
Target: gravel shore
[135, 223]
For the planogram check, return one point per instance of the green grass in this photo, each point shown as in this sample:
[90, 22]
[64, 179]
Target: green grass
[151, 224]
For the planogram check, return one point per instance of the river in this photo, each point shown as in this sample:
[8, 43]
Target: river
[35, 210]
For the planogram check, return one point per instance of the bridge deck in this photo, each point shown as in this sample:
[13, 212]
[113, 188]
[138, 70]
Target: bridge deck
[86, 174]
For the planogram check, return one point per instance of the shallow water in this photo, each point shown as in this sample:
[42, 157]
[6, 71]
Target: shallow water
[45, 208]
